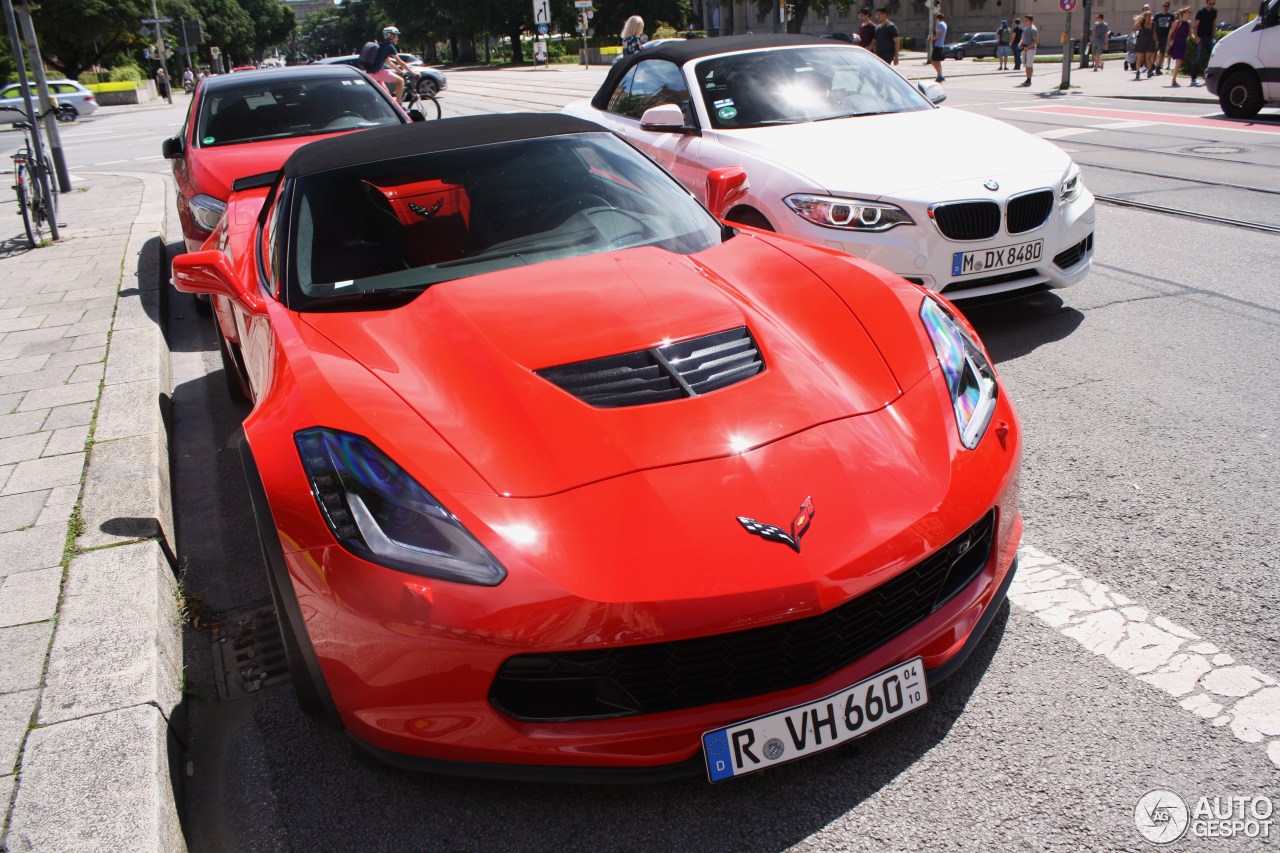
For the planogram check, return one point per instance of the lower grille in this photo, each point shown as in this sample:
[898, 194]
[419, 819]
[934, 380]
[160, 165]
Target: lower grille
[648, 679]
[967, 220]
[1070, 257]
[1002, 278]
[1028, 212]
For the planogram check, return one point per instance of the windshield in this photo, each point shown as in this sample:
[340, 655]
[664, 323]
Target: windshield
[396, 227]
[274, 110]
[796, 85]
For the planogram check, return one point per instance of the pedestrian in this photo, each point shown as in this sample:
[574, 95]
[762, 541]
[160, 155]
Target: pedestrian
[1163, 21]
[162, 82]
[1098, 37]
[1030, 40]
[1003, 52]
[633, 35]
[1016, 41]
[866, 29]
[937, 39]
[1178, 34]
[1146, 30]
[888, 41]
[1206, 26]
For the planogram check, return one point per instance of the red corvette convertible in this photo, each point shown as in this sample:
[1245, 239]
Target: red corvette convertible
[558, 476]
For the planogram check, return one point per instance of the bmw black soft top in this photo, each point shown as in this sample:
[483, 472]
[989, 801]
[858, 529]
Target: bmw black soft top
[385, 143]
[681, 52]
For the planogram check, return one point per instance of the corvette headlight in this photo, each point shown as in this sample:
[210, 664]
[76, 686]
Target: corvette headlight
[1072, 186]
[969, 376]
[206, 211]
[848, 213]
[380, 513]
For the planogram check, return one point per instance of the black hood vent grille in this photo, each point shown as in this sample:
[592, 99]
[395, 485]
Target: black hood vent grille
[671, 372]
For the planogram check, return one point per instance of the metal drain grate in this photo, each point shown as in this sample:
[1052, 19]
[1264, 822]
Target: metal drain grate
[248, 654]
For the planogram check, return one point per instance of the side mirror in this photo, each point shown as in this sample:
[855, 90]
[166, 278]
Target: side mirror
[171, 148]
[933, 91]
[210, 272]
[666, 118]
[726, 186]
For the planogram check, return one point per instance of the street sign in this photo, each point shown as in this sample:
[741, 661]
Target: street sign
[583, 4]
[157, 20]
[1067, 5]
[542, 11]
[542, 28]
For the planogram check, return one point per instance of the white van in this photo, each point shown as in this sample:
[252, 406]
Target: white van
[1244, 70]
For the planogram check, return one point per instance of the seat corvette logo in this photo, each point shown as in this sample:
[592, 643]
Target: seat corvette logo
[799, 526]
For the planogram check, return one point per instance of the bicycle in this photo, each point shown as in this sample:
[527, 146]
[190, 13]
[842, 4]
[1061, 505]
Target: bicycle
[424, 102]
[39, 214]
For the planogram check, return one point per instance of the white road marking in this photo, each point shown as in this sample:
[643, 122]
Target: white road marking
[1061, 132]
[1205, 681]
[1124, 125]
[109, 162]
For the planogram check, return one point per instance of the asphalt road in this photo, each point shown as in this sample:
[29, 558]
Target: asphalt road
[1149, 402]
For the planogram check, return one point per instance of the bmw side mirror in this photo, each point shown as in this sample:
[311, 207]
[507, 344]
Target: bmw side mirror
[668, 118]
[171, 148]
[933, 91]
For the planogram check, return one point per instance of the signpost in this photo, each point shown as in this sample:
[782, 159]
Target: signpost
[584, 26]
[1067, 6]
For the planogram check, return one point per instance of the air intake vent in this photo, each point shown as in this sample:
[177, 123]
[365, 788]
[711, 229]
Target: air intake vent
[685, 369]
[968, 220]
[1028, 212]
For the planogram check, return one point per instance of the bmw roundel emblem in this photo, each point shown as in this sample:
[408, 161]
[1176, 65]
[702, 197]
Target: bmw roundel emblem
[990, 184]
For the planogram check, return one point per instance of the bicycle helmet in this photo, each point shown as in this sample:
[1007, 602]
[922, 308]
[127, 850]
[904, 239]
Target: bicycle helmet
[390, 31]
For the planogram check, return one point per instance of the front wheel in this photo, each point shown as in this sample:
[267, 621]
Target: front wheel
[959, 54]
[1240, 95]
[24, 206]
[428, 106]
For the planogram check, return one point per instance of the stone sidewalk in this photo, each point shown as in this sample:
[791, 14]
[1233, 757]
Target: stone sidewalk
[90, 653]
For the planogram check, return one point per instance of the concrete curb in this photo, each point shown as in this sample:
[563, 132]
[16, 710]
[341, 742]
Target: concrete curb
[95, 772]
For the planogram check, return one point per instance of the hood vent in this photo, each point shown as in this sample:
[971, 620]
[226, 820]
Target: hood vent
[671, 372]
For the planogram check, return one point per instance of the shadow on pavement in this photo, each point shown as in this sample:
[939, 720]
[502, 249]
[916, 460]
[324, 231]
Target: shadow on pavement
[1017, 326]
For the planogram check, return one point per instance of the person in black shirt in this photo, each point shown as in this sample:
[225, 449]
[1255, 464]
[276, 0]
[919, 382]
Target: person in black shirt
[866, 29]
[1206, 27]
[1163, 21]
[1017, 43]
[887, 38]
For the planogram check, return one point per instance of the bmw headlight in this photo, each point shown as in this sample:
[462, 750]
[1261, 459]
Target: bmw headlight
[969, 376]
[206, 211]
[380, 513]
[1072, 186]
[848, 213]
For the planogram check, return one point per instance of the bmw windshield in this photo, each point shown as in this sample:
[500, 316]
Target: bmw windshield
[801, 84]
[397, 226]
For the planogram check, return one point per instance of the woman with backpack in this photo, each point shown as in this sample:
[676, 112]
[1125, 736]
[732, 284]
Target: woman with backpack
[633, 35]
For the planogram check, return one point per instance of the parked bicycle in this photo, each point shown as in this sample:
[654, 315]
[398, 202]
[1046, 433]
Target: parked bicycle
[39, 214]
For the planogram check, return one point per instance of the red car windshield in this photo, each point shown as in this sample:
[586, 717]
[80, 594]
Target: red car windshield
[797, 85]
[401, 225]
[273, 110]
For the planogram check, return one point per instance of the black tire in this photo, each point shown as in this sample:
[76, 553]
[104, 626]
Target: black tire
[1240, 94]
[750, 217]
[66, 113]
[429, 107]
[230, 369]
[959, 54]
[24, 205]
[427, 87]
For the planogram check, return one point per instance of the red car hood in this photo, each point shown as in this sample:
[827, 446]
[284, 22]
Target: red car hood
[214, 169]
[464, 355]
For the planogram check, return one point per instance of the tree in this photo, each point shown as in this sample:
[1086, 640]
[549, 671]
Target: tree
[273, 24]
[78, 34]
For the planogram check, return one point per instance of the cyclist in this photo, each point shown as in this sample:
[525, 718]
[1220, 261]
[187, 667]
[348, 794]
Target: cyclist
[388, 55]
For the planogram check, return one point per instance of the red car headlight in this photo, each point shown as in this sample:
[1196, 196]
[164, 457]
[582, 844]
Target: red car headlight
[380, 513]
[970, 378]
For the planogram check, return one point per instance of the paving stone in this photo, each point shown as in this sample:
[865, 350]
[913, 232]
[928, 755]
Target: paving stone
[18, 324]
[44, 347]
[35, 336]
[60, 395]
[71, 415]
[118, 641]
[44, 473]
[8, 785]
[75, 358]
[58, 506]
[5, 472]
[30, 597]
[36, 547]
[127, 409]
[87, 373]
[29, 364]
[22, 422]
[20, 448]
[132, 355]
[16, 711]
[9, 402]
[62, 318]
[126, 491]
[23, 651]
[39, 379]
[19, 511]
[86, 341]
[67, 440]
[114, 768]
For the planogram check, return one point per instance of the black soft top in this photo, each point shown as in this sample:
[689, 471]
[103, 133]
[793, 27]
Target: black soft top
[267, 76]
[681, 52]
[427, 137]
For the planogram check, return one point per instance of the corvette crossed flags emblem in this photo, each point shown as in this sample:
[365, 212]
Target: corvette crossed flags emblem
[799, 526]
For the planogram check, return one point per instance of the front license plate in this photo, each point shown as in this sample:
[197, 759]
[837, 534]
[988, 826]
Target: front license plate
[805, 729]
[987, 260]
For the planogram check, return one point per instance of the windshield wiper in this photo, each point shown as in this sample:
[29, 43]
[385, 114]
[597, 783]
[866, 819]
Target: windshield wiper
[371, 298]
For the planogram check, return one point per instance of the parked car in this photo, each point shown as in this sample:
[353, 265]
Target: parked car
[842, 151]
[68, 93]
[1244, 70]
[430, 80]
[971, 44]
[558, 475]
[244, 124]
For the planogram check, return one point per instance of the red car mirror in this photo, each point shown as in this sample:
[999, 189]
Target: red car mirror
[725, 186]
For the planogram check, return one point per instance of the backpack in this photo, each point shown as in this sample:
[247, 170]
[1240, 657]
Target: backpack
[369, 55]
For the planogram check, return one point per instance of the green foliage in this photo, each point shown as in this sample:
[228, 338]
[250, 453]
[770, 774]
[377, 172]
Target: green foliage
[125, 73]
[76, 34]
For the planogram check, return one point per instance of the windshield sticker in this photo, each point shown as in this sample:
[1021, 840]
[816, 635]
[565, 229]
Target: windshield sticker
[723, 102]
[208, 140]
[727, 113]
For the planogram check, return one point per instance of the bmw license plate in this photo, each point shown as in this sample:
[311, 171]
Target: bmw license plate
[989, 260]
[805, 729]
